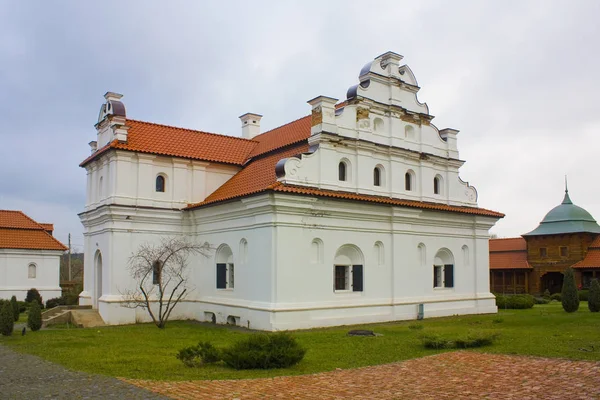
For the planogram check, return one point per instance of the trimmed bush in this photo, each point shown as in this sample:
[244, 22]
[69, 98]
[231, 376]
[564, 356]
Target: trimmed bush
[415, 326]
[583, 295]
[264, 351]
[594, 296]
[556, 296]
[436, 342]
[33, 294]
[476, 339]
[516, 301]
[7, 321]
[541, 300]
[15, 307]
[203, 353]
[570, 298]
[55, 302]
[34, 318]
[546, 294]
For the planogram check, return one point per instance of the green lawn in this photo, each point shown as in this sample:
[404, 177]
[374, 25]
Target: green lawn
[146, 352]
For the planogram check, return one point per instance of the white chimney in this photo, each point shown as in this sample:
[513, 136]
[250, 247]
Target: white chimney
[250, 125]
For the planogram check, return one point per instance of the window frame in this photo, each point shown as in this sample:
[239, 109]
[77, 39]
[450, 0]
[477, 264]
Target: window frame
[342, 172]
[160, 178]
[377, 177]
[441, 274]
[350, 282]
[543, 252]
[436, 185]
[228, 273]
[156, 272]
[566, 251]
[408, 182]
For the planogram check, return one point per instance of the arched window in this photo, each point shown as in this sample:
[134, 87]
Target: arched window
[443, 269]
[408, 184]
[160, 183]
[377, 176]
[342, 173]
[348, 269]
[156, 272]
[225, 268]
[32, 271]
[437, 185]
[316, 251]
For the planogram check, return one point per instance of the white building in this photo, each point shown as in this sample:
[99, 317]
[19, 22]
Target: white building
[29, 257]
[355, 213]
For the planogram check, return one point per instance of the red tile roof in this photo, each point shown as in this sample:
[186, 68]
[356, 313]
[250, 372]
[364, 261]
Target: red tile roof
[292, 133]
[18, 231]
[508, 244]
[147, 137]
[592, 258]
[47, 227]
[510, 253]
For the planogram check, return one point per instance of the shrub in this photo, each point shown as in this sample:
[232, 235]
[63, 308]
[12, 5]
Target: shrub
[203, 353]
[556, 296]
[264, 351]
[546, 294]
[33, 294]
[517, 301]
[476, 339]
[71, 298]
[7, 321]
[541, 300]
[415, 326]
[436, 342]
[34, 318]
[570, 298]
[594, 296]
[55, 302]
[498, 320]
[15, 306]
[583, 295]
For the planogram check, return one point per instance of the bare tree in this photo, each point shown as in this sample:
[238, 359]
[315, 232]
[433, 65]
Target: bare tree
[161, 275]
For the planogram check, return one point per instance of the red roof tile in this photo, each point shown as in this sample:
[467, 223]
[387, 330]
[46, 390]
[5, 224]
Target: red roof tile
[294, 132]
[147, 137]
[18, 231]
[508, 244]
[48, 227]
[509, 260]
[592, 258]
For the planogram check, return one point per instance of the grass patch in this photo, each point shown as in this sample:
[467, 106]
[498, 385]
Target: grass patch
[146, 352]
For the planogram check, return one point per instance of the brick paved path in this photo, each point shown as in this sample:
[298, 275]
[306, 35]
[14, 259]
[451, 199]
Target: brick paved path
[457, 375]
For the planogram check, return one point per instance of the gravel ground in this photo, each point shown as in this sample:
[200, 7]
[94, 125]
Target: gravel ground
[24, 376]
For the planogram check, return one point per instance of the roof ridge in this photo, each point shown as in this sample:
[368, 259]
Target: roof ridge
[281, 126]
[512, 238]
[191, 130]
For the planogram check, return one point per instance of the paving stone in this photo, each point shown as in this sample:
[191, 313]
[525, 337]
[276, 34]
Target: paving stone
[458, 375]
[23, 376]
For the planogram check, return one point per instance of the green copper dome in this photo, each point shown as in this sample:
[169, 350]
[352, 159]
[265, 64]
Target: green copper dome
[566, 218]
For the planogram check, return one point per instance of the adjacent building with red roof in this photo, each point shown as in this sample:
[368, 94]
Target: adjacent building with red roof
[353, 213]
[568, 236]
[29, 257]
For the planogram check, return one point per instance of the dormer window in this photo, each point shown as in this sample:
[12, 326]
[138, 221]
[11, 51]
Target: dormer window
[160, 183]
[342, 173]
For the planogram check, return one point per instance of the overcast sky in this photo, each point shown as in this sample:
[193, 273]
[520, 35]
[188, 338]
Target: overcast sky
[519, 79]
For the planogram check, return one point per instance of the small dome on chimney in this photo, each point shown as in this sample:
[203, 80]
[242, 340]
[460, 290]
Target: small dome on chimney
[112, 106]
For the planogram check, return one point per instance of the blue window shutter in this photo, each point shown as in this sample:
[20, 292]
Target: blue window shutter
[357, 278]
[221, 276]
[449, 275]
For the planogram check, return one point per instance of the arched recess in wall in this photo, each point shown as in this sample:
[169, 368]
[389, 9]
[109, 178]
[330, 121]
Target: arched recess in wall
[379, 175]
[410, 181]
[97, 277]
[409, 132]
[101, 188]
[438, 185]
[225, 267]
[344, 170]
[243, 251]
[348, 269]
[422, 253]
[316, 251]
[466, 256]
[378, 125]
[31, 271]
[379, 253]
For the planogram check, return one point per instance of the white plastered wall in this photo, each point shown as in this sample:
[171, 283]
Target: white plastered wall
[14, 273]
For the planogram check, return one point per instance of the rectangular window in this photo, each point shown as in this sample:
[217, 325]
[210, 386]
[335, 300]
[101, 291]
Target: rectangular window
[543, 252]
[564, 251]
[221, 276]
[443, 276]
[341, 277]
[586, 279]
[156, 271]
